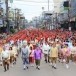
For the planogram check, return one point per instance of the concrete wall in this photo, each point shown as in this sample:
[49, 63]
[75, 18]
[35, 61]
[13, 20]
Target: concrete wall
[57, 4]
[73, 8]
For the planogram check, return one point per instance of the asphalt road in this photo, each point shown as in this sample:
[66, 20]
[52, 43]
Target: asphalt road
[45, 70]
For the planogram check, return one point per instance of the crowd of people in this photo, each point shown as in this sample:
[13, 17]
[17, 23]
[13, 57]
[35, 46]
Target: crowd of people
[34, 45]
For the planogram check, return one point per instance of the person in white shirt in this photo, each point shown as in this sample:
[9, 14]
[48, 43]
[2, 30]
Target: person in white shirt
[15, 52]
[46, 49]
[31, 56]
[5, 56]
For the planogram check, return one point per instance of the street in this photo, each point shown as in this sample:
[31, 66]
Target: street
[45, 70]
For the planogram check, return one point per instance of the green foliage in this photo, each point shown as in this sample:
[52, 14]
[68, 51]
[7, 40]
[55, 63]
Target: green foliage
[12, 30]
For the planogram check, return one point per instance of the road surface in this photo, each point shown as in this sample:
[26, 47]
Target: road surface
[45, 70]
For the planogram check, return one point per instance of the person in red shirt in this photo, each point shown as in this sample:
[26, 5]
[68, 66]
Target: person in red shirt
[31, 56]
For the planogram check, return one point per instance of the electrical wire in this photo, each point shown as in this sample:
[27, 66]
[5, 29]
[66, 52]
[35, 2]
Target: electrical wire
[32, 4]
[34, 1]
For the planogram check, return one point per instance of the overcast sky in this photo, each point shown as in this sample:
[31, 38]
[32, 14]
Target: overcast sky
[32, 8]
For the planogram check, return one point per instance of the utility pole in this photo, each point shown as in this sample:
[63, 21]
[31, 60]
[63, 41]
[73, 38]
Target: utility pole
[49, 16]
[69, 15]
[48, 5]
[7, 20]
[67, 5]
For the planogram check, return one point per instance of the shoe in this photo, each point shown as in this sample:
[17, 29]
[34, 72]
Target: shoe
[27, 67]
[8, 69]
[14, 63]
[67, 66]
[38, 68]
[24, 68]
[46, 61]
[52, 66]
[55, 68]
[32, 65]
[5, 70]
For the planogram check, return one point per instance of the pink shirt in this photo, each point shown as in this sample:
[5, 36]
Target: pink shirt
[66, 51]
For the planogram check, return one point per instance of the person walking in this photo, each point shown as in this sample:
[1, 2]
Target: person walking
[31, 56]
[66, 53]
[73, 53]
[11, 56]
[37, 56]
[54, 55]
[15, 52]
[5, 57]
[46, 49]
[25, 56]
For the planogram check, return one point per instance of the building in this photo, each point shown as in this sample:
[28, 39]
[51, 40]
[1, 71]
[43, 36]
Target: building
[73, 14]
[2, 12]
[73, 9]
[57, 4]
[67, 16]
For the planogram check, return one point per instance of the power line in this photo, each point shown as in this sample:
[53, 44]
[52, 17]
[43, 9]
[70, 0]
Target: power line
[31, 4]
[34, 1]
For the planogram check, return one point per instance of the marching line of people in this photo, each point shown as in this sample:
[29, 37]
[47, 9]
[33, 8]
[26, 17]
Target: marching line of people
[52, 50]
[32, 53]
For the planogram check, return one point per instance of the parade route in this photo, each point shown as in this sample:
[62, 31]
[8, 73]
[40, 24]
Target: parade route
[37, 38]
[45, 70]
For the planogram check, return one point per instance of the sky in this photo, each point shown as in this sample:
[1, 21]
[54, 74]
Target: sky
[32, 8]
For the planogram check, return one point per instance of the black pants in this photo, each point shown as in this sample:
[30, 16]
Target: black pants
[37, 61]
[6, 64]
[47, 58]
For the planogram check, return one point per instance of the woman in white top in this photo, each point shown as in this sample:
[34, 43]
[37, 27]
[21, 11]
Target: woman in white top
[5, 58]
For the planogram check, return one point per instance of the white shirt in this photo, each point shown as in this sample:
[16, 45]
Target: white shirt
[46, 48]
[28, 47]
[5, 54]
[73, 50]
